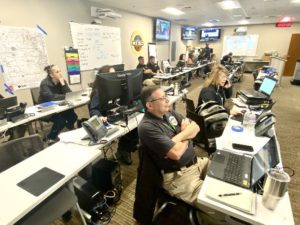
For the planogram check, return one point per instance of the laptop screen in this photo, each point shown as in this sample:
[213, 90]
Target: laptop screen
[268, 85]
[264, 160]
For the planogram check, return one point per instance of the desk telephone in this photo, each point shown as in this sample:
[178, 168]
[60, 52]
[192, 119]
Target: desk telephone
[263, 123]
[95, 128]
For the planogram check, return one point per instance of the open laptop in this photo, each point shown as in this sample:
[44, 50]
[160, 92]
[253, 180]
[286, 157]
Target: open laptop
[246, 169]
[73, 97]
[266, 88]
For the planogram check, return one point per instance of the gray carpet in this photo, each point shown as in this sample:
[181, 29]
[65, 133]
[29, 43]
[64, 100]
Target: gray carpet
[287, 110]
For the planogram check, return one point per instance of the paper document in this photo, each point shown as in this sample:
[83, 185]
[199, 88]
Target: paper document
[231, 195]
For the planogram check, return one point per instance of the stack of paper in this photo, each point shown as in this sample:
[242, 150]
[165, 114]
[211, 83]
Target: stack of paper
[231, 195]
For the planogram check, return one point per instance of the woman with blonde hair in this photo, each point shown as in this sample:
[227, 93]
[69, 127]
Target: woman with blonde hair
[217, 88]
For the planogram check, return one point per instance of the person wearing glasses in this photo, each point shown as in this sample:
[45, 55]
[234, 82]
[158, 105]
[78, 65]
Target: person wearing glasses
[54, 88]
[217, 88]
[167, 137]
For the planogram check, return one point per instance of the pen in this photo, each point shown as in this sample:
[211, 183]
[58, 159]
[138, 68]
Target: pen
[229, 194]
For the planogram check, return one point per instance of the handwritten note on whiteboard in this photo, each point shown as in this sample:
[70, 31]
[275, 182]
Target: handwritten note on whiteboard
[23, 56]
[97, 45]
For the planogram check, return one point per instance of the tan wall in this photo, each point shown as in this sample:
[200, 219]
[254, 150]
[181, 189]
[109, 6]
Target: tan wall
[54, 16]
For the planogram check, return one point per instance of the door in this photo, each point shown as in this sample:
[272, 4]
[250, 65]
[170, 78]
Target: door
[293, 55]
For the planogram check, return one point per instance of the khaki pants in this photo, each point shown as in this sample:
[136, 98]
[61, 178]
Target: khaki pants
[151, 82]
[186, 183]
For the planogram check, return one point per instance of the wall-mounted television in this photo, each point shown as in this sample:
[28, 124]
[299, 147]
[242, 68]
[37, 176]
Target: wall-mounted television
[188, 33]
[210, 34]
[162, 30]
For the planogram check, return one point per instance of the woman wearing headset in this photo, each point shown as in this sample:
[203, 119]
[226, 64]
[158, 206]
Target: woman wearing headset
[217, 88]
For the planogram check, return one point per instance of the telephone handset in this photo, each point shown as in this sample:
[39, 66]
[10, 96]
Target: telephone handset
[264, 122]
[95, 128]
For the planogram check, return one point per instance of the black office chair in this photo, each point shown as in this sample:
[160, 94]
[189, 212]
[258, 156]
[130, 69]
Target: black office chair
[17, 150]
[201, 138]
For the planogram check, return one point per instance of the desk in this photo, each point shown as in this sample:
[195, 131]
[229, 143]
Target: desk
[250, 66]
[281, 215]
[16, 202]
[38, 115]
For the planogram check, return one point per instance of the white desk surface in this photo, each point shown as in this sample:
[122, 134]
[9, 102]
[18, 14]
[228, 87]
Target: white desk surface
[281, 215]
[67, 159]
[38, 114]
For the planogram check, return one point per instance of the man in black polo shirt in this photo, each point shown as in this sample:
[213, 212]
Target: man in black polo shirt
[148, 74]
[166, 136]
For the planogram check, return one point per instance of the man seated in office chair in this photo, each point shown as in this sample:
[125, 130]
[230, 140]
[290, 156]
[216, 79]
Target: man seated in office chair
[227, 59]
[166, 136]
[54, 88]
[128, 142]
[148, 74]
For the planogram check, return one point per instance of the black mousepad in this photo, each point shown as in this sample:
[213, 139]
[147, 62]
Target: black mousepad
[40, 181]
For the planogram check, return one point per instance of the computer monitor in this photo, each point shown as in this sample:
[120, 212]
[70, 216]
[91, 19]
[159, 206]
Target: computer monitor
[118, 88]
[119, 67]
[267, 86]
[6, 103]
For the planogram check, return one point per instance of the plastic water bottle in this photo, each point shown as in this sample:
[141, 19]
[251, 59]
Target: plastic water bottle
[249, 122]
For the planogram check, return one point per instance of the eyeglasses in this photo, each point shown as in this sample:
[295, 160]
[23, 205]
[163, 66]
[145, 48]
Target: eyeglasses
[164, 98]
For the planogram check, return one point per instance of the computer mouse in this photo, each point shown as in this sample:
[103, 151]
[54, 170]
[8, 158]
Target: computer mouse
[84, 94]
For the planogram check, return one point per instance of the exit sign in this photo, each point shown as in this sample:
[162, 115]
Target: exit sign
[284, 24]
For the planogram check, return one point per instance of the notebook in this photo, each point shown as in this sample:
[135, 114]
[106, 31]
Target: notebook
[40, 181]
[266, 88]
[231, 195]
[244, 169]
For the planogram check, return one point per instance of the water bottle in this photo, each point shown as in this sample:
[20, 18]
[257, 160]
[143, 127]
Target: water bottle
[249, 122]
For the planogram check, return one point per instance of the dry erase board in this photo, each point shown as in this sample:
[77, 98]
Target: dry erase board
[97, 45]
[23, 56]
[243, 45]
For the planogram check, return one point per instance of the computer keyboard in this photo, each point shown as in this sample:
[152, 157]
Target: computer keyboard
[232, 173]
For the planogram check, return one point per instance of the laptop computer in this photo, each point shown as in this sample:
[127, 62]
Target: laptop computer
[252, 96]
[73, 97]
[244, 169]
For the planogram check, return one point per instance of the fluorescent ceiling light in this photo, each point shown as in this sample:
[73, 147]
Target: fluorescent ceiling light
[207, 24]
[286, 19]
[243, 22]
[229, 4]
[237, 16]
[214, 21]
[296, 1]
[173, 11]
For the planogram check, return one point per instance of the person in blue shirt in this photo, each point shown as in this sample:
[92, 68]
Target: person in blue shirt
[54, 88]
[128, 142]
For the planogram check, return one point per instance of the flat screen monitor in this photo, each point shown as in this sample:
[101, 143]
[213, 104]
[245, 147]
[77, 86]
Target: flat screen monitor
[188, 33]
[210, 34]
[118, 88]
[119, 67]
[6, 103]
[162, 30]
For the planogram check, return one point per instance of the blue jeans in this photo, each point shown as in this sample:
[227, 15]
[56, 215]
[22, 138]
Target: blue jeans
[60, 121]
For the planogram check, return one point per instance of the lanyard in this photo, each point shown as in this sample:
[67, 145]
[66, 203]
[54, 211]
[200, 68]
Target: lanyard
[169, 126]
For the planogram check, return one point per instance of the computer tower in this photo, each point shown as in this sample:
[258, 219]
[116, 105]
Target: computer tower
[106, 175]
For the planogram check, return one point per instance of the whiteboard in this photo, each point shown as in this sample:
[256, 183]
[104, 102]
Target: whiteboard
[97, 45]
[243, 45]
[23, 56]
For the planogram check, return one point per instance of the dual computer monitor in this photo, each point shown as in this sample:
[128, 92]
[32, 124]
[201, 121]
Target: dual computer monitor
[119, 88]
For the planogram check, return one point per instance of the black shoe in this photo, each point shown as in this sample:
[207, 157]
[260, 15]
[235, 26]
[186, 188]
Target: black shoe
[124, 156]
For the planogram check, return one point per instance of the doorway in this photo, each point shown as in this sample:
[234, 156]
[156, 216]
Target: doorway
[293, 55]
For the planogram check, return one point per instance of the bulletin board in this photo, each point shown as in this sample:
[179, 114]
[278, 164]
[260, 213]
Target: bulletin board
[97, 45]
[23, 57]
[240, 45]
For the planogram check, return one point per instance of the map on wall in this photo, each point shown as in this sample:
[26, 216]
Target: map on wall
[23, 56]
[97, 45]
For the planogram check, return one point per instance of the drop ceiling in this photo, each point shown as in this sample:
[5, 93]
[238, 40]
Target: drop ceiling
[198, 12]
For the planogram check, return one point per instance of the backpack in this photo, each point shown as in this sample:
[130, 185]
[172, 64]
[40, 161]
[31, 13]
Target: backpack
[214, 116]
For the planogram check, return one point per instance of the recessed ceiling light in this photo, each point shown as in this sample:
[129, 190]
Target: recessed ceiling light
[237, 16]
[207, 24]
[296, 1]
[286, 19]
[214, 21]
[229, 4]
[243, 22]
[173, 11]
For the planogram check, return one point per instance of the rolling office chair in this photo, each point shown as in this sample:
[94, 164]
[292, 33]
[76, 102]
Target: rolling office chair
[17, 150]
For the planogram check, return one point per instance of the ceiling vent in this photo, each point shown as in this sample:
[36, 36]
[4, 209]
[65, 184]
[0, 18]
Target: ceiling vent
[104, 13]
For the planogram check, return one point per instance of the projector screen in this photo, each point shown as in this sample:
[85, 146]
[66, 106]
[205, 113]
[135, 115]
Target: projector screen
[243, 45]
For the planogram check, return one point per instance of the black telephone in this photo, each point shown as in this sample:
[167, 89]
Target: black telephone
[95, 129]
[264, 122]
[16, 112]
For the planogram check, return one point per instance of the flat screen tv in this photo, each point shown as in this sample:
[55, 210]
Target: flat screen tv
[162, 30]
[188, 33]
[210, 34]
